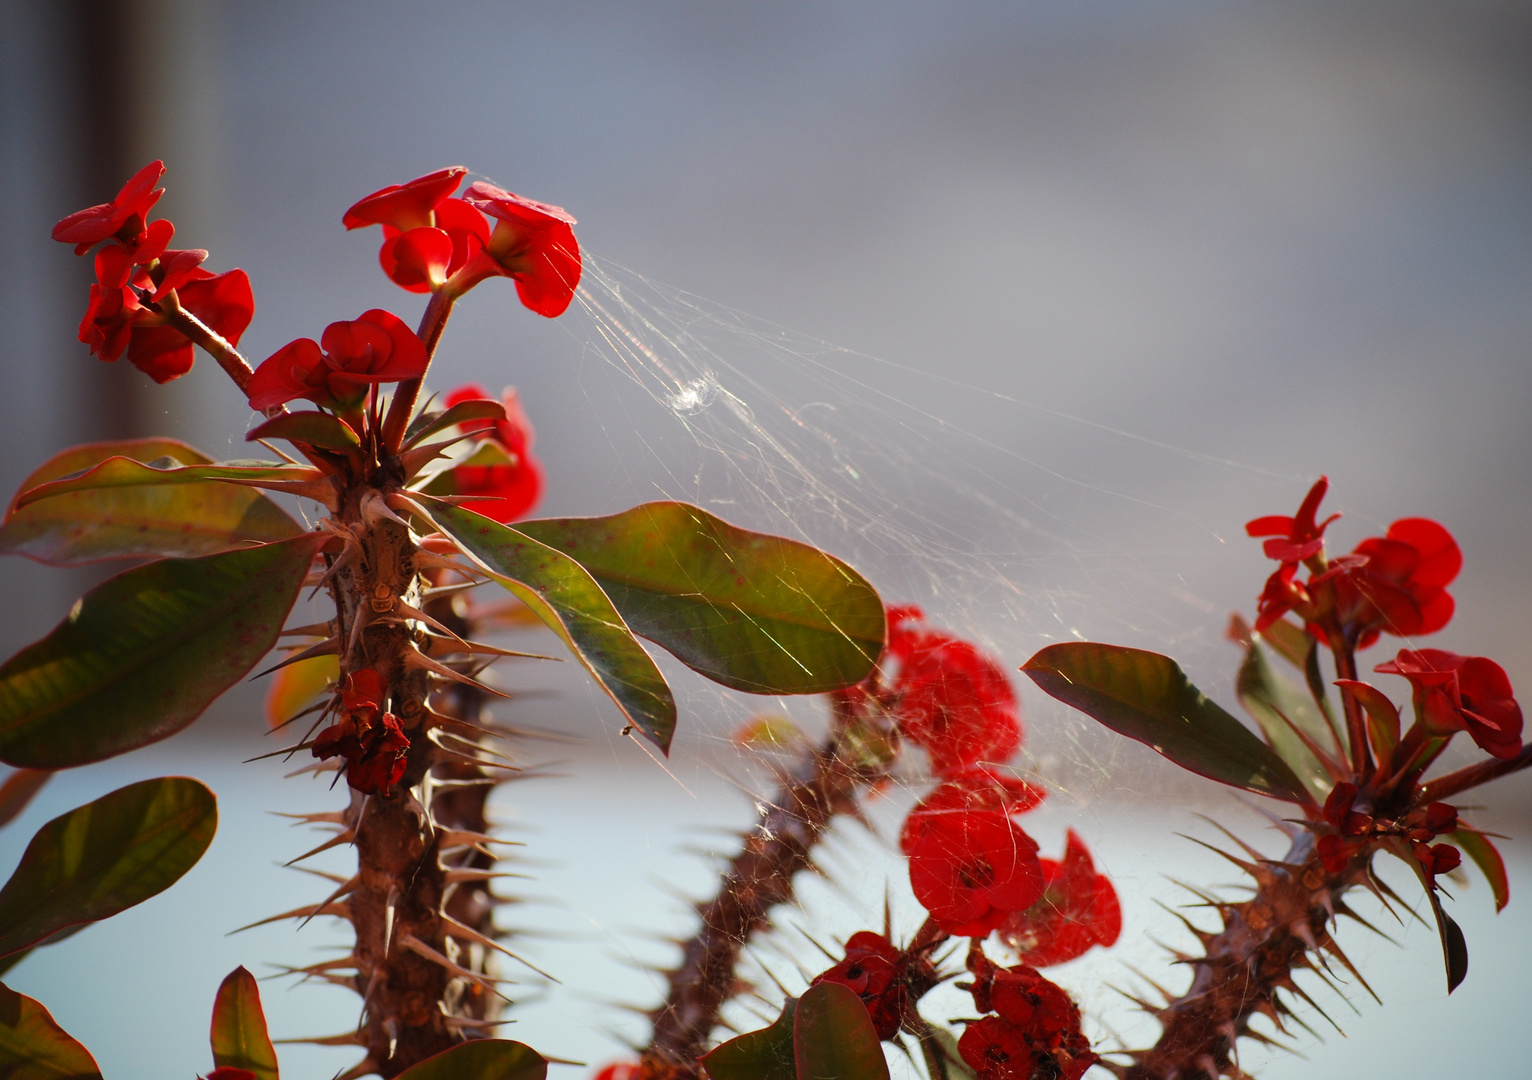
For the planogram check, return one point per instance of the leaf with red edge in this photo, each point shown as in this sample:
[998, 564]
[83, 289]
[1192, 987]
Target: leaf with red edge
[311, 428]
[482, 1059]
[135, 522]
[428, 424]
[1382, 717]
[144, 653]
[105, 857]
[766, 1054]
[833, 1036]
[18, 790]
[125, 472]
[1147, 697]
[1487, 858]
[239, 1035]
[1454, 945]
[570, 602]
[34, 1047]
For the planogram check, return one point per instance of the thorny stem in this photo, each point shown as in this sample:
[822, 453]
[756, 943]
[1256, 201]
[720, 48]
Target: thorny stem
[757, 879]
[213, 343]
[432, 323]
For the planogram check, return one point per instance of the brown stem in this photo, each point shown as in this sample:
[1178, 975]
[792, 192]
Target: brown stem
[213, 343]
[1444, 787]
[1356, 721]
[432, 323]
[757, 879]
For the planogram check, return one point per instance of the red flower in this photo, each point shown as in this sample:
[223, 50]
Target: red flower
[621, 1070]
[1078, 909]
[1036, 1032]
[976, 788]
[874, 970]
[1437, 858]
[371, 740]
[1298, 537]
[229, 1072]
[336, 371]
[511, 488]
[428, 236]
[970, 869]
[952, 699]
[1457, 693]
[123, 217]
[532, 243]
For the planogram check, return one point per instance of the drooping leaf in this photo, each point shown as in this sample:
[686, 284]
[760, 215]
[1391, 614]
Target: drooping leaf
[149, 520]
[239, 1027]
[34, 1047]
[834, 1037]
[1454, 945]
[141, 655]
[428, 424]
[1147, 697]
[1487, 858]
[105, 857]
[18, 790]
[766, 1054]
[311, 427]
[125, 472]
[757, 613]
[483, 1059]
[297, 685]
[570, 602]
[1282, 713]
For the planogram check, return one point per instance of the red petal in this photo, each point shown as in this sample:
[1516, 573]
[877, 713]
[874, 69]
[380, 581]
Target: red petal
[405, 206]
[1440, 557]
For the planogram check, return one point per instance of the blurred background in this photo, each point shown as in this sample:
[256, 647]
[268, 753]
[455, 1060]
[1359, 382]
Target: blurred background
[1022, 308]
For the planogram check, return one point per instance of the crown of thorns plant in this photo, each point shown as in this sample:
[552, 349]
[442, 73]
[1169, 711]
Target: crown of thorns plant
[424, 503]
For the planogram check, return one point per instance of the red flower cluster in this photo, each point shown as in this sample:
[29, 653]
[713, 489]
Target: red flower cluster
[971, 865]
[1034, 1030]
[1078, 909]
[1353, 831]
[136, 272]
[951, 699]
[336, 371]
[1395, 583]
[875, 971]
[1461, 693]
[371, 740]
[621, 1070]
[510, 489]
[436, 243]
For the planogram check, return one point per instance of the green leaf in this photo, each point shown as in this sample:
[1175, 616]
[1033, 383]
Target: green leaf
[1292, 643]
[141, 521]
[757, 613]
[568, 600]
[461, 413]
[1487, 857]
[34, 1047]
[1147, 697]
[125, 472]
[105, 857]
[313, 428]
[766, 1054]
[1282, 712]
[142, 654]
[834, 1038]
[483, 1059]
[239, 1027]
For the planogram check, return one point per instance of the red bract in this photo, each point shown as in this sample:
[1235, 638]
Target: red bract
[1458, 693]
[122, 217]
[371, 740]
[1078, 909]
[976, 788]
[336, 371]
[874, 970]
[952, 699]
[1298, 537]
[428, 236]
[620, 1070]
[510, 490]
[532, 244]
[970, 869]
[1036, 1032]
[229, 1072]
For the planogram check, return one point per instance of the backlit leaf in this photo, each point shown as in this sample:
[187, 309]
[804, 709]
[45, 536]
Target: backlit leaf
[1280, 709]
[570, 602]
[125, 472]
[757, 613]
[34, 1047]
[1147, 697]
[483, 1059]
[314, 428]
[297, 685]
[766, 1054]
[428, 424]
[239, 1027]
[1486, 856]
[105, 857]
[834, 1038]
[142, 654]
[140, 521]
